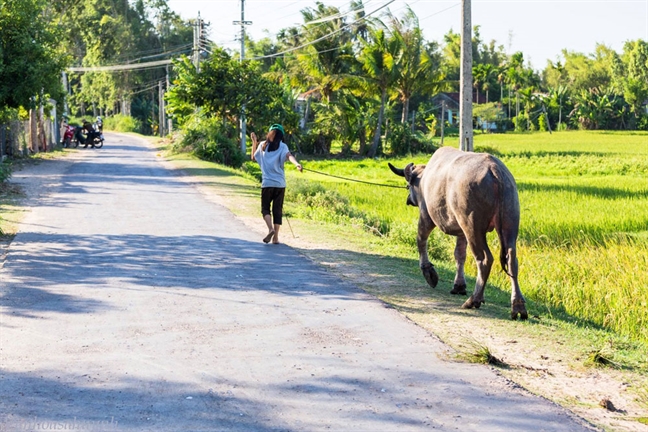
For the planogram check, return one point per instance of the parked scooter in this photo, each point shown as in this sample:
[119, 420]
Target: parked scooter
[69, 137]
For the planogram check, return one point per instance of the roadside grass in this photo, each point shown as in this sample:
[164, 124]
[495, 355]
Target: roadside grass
[9, 196]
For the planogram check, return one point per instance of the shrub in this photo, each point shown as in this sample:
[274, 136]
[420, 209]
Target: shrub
[402, 141]
[520, 122]
[313, 142]
[642, 122]
[543, 125]
[5, 172]
[122, 123]
[210, 139]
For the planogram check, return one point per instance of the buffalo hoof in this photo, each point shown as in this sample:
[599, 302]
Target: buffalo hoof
[430, 274]
[518, 308]
[470, 303]
[459, 289]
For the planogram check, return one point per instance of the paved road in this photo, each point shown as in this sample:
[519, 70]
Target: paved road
[130, 302]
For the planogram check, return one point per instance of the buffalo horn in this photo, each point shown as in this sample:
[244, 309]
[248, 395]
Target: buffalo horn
[397, 171]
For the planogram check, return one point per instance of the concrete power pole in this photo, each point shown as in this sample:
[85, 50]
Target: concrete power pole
[197, 34]
[161, 125]
[242, 23]
[465, 92]
[67, 92]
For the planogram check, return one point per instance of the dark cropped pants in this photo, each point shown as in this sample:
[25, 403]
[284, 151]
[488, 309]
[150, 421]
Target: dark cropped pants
[274, 196]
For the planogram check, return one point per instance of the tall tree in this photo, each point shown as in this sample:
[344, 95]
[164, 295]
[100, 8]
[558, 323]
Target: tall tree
[328, 59]
[379, 65]
[416, 72]
[31, 56]
[631, 75]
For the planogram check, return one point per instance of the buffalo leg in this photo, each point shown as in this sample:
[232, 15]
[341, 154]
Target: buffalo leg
[424, 229]
[484, 259]
[460, 260]
[517, 299]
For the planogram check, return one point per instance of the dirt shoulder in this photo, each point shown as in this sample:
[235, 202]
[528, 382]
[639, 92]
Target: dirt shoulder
[31, 179]
[539, 354]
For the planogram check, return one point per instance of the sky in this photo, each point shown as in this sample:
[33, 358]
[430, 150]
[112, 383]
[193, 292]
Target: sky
[541, 29]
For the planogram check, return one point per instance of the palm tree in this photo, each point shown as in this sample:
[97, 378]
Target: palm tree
[378, 62]
[324, 64]
[558, 95]
[479, 77]
[415, 68]
[488, 74]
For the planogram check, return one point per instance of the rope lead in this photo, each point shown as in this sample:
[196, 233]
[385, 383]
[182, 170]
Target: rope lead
[354, 180]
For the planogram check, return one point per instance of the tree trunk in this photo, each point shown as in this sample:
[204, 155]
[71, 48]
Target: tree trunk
[33, 134]
[362, 137]
[405, 110]
[509, 102]
[376, 140]
[306, 113]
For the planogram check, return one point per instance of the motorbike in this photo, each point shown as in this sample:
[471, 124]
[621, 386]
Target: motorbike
[69, 137]
[91, 137]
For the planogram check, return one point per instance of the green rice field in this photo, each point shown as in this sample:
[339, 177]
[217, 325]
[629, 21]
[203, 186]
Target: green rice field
[583, 243]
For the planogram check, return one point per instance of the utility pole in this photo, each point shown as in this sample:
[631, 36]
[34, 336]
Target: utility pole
[465, 92]
[161, 109]
[197, 34]
[67, 92]
[242, 23]
[169, 123]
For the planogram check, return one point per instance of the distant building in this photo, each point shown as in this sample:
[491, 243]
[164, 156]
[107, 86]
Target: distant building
[451, 100]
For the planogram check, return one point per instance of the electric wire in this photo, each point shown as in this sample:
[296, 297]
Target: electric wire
[440, 12]
[325, 36]
[323, 19]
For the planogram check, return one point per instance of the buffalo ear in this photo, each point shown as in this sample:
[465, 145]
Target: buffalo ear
[408, 172]
[397, 171]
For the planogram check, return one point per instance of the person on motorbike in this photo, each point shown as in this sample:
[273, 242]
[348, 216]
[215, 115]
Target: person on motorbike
[90, 134]
[99, 124]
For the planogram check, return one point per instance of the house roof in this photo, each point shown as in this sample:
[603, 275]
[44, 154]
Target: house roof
[452, 98]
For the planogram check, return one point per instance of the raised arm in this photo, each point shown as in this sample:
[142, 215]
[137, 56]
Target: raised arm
[255, 142]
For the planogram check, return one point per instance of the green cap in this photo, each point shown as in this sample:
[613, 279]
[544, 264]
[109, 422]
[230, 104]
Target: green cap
[277, 126]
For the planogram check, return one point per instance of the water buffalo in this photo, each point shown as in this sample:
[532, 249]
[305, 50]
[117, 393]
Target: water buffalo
[467, 195]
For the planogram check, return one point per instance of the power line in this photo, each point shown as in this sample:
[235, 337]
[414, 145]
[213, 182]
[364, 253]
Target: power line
[440, 12]
[125, 56]
[317, 23]
[115, 68]
[325, 36]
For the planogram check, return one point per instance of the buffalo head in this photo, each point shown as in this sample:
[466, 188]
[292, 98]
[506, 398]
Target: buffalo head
[412, 174]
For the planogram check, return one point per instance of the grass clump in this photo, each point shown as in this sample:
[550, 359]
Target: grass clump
[476, 352]
[601, 357]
